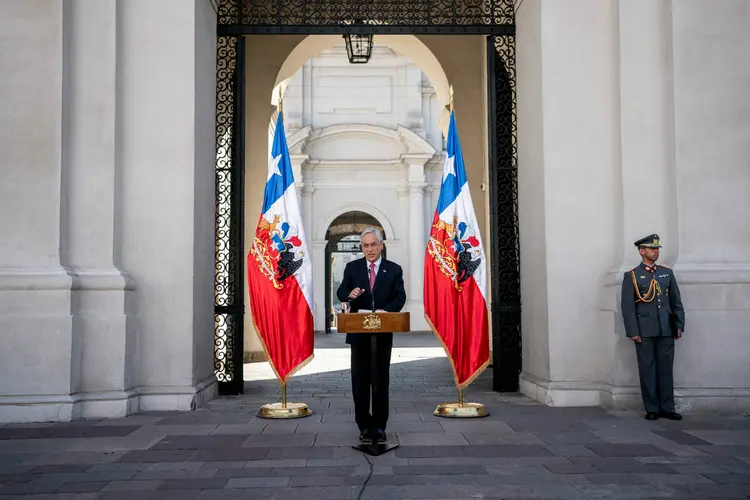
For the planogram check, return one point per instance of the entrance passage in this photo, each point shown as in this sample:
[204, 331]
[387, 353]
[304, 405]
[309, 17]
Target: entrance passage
[342, 247]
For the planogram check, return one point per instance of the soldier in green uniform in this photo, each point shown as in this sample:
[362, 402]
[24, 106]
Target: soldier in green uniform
[654, 318]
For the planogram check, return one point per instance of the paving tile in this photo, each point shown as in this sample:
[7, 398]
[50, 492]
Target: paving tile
[306, 481]
[721, 437]
[438, 469]
[572, 469]
[200, 442]
[257, 482]
[506, 451]
[159, 475]
[277, 440]
[430, 451]
[729, 478]
[85, 487]
[429, 438]
[569, 437]
[59, 469]
[502, 438]
[215, 483]
[110, 444]
[726, 450]
[299, 452]
[626, 450]
[245, 429]
[615, 478]
[175, 430]
[132, 485]
[681, 437]
[149, 456]
[150, 495]
[571, 450]
[229, 454]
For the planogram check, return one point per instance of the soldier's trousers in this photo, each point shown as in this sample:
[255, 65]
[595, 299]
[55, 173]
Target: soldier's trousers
[655, 361]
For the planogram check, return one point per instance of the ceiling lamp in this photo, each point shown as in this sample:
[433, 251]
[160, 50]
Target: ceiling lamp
[358, 47]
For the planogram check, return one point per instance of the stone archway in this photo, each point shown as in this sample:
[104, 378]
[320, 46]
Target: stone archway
[408, 45]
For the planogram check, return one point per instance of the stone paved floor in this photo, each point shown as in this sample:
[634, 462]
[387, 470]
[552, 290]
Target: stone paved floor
[523, 450]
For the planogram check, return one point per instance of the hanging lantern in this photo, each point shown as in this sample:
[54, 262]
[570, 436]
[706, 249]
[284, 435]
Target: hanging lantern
[358, 47]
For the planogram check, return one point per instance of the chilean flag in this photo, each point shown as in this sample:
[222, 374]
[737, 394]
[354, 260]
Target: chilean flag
[279, 269]
[455, 280]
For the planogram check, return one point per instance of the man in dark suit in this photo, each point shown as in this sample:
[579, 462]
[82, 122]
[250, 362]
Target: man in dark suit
[654, 318]
[371, 283]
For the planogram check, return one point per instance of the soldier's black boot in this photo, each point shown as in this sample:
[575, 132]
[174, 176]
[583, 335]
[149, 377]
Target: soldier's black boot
[652, 415]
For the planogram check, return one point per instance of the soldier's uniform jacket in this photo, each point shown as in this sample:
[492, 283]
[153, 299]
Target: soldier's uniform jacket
[651, 302]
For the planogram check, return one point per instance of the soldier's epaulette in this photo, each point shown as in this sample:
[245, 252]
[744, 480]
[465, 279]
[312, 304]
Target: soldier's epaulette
[632, 269]
[665, 267]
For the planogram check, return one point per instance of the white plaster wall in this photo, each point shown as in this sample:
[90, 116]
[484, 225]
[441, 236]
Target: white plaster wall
[165, 151]
[36, 337]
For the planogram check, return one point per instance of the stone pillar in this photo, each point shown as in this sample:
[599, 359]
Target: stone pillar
[647, 152]
[104, 317]
[712, 181]
[416, 239]
[40, 363]
[166, 152]
[569, 145]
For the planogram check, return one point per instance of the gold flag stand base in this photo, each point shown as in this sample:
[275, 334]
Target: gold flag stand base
[284, 409]
[461, 409]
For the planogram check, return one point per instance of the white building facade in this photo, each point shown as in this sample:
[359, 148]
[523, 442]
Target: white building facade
[632, 118]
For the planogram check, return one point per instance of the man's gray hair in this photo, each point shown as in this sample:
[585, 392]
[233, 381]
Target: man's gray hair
[374, 231]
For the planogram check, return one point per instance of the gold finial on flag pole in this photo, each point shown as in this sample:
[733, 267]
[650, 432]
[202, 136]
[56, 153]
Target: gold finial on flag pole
[451, 97]
[281, 105]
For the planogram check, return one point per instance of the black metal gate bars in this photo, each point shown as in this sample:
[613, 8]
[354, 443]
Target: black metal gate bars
[492, 18]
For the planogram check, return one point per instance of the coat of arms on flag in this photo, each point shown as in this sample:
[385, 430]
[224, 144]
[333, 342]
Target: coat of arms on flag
[279, 269]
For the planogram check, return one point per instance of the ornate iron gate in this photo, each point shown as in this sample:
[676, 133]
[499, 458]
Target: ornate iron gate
[493, 18]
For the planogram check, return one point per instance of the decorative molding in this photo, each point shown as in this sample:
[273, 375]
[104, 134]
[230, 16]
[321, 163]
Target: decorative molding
[302, 140]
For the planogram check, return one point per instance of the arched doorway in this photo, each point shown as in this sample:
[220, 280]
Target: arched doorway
[342, 247]
[236, 20]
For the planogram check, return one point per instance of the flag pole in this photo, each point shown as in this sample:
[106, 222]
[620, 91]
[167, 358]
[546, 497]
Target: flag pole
[460, 409]
[283, 410]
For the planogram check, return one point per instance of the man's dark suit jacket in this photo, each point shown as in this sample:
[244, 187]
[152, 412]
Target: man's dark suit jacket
[389, 292]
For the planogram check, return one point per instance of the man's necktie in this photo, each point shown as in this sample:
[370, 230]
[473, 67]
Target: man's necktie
[372, 275]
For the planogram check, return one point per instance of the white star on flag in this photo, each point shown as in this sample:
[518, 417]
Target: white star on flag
[450, 166]
[273, 167]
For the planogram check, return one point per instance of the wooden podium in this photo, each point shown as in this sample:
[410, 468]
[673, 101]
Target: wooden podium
[373, 322]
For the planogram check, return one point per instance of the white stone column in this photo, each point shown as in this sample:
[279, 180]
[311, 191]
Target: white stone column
[318, 249]
[104, 316]
[38, 363]
[712, 130]
[646, 173]
[166, 151]
[569, 150]
[417, 238]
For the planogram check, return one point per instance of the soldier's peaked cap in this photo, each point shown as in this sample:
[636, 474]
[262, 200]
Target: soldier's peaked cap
[650, 241]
